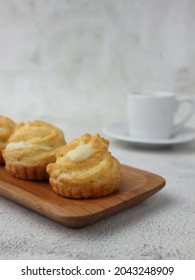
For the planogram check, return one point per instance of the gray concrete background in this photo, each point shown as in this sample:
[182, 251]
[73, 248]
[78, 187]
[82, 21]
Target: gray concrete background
[55, 55]
[72, 63]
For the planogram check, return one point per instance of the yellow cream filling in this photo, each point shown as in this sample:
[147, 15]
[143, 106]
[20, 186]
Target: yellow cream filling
[81, 152]
[23, 145]
[2, 129]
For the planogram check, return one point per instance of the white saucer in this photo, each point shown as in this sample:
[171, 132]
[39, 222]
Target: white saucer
[119, 131]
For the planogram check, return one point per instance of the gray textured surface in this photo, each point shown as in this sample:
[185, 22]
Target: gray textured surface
[95, 50]
[162, 227]
[71, 63]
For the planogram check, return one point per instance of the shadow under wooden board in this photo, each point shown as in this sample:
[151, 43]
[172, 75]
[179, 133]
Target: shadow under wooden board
[136, 186]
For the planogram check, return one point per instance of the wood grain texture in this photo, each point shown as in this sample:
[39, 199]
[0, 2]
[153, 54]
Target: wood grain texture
[136, 186]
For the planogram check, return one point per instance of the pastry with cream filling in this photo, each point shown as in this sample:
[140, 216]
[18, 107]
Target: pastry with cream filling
[30, 148]
[84, 168]
[7, 127]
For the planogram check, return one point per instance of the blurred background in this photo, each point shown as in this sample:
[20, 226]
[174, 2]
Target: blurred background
[72, 62]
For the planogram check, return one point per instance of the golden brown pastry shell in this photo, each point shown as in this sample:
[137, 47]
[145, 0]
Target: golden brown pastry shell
[97, 176]
[85, 190]
[8, 125]
[27, 172]
[30, 162]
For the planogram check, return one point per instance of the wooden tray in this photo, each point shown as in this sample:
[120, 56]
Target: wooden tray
[136, 186]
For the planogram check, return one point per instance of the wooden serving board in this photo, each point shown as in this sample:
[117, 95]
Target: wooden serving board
[136, 186]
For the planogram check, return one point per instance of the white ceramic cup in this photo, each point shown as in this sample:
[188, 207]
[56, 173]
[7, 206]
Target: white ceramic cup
[151, 115]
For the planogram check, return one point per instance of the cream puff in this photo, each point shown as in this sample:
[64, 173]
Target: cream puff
[7, 127]
[30, 148]
[84, 168]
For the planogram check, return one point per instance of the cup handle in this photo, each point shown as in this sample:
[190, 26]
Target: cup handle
[179, 102]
